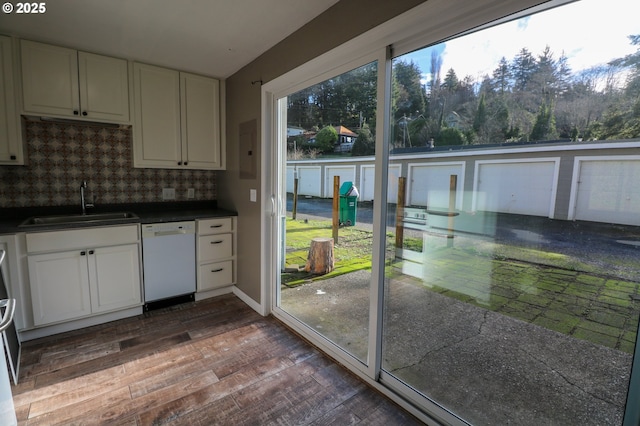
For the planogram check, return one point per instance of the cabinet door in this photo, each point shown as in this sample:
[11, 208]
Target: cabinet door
[104, 87]
[10, 137]
[59, 286]
[50, 79]
[114, 277]
[200, 121]
[157, 122]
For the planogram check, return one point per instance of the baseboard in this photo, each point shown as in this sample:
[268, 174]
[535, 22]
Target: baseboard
[249, 301]
[36, 333]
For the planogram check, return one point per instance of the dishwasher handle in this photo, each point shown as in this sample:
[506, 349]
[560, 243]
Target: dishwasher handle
[165, 233]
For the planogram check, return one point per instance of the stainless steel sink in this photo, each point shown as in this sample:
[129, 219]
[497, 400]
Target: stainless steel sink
[78, 218]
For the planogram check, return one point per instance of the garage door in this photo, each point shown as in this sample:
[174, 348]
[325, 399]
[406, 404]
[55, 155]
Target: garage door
[346, 173]
[368, 180]
[429, 184]
[518, 187]
[608, 191]
[309, 180]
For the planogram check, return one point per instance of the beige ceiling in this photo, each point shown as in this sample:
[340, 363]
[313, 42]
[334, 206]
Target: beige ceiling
[210, 37]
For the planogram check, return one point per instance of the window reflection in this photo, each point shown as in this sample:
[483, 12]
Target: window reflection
[511, 291]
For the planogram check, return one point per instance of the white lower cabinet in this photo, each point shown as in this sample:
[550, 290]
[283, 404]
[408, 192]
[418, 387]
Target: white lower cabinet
[59, 286]
[78, 282]
[216, 253]
[114, 278]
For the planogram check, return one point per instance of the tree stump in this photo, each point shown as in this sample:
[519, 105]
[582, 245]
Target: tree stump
[320, 260]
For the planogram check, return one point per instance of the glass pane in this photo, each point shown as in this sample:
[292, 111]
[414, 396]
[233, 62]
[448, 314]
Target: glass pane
[327, 259]
[512, 290]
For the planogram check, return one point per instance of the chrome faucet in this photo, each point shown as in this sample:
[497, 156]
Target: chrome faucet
[83, 204]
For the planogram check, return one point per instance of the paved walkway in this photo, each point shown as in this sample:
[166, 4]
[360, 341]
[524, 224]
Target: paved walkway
[487, 367]
[587, 305]
[496, 332]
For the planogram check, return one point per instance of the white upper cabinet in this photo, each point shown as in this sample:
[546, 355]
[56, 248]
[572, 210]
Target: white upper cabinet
[157, 117]
[177, 120]
[200, 100]
[11, 148]
[62, 82]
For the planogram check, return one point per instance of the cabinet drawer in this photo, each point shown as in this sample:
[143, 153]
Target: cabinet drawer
[215, 275]
[212, 247]
[70, 239]
[215, 226]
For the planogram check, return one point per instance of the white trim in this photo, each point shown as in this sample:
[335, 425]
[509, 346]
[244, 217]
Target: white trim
[202, 295]
[378, 264]
[563, 147]
[272, 141]
[554, 181]
[36, 333]
[258, 307]
[332, 160]
[267, 202]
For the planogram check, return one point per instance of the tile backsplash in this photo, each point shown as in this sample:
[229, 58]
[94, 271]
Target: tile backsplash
[61, 155]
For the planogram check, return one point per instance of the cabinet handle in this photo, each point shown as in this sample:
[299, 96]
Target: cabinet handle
[215, 226]
[217, 270]
[83, 253]
[91, 251]
[185, 163]
[179, 163]
[13, 157]
[75, 112]
[217, 242]
[84, 113]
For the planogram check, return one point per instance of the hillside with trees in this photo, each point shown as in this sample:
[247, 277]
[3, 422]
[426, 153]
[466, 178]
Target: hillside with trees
[531, 97]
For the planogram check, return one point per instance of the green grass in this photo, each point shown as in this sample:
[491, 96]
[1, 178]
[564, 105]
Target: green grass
[352, 252]
[553, 290]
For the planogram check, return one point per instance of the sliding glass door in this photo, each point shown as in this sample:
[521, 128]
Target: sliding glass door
[326, 228]
[459, 223]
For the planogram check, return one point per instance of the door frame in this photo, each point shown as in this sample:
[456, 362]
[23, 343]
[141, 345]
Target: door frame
[274, 191]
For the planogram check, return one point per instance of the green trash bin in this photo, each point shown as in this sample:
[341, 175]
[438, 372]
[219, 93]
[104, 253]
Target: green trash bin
[348, 204]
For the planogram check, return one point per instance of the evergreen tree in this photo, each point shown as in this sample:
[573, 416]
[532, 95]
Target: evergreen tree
[502, 77]
[365, 143]
[451, 81]
[545, 126]
[544, 77]
[410, 96]
[480, 119]
[522, 69]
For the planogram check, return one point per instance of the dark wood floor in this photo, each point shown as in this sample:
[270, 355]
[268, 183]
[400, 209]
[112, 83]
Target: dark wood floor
[205, 363]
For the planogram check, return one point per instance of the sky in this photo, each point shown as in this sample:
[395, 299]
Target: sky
[588, 32]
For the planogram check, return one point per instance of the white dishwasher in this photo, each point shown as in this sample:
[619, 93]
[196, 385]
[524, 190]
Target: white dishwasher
[169, 262]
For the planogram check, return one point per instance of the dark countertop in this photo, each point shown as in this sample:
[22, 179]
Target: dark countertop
[11, 218]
